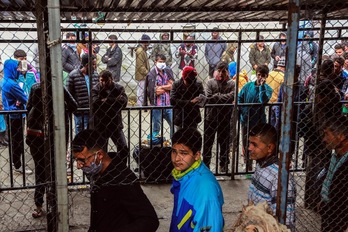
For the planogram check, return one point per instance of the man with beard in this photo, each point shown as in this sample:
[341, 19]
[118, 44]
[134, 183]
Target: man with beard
[219, 90]
[108, 100]
[117, 201]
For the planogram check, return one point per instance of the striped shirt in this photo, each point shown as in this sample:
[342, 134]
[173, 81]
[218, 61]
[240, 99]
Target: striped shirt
[264, 185]
[163, 99]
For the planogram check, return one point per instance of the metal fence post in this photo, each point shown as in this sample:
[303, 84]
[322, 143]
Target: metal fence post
[58, 129]
[285, 155]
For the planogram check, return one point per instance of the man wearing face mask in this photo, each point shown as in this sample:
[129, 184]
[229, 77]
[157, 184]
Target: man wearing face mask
[70, 56]
[158, 84]
[219, 90]
[117, 201]
[185, 96]
[14, 98]
[113, 58]
[108, 100]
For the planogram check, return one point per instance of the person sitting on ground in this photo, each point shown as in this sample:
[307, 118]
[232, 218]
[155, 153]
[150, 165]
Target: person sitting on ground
[198, 197]
[117, 201]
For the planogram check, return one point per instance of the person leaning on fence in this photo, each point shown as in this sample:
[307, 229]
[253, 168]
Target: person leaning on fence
[185, 97]
[108, 100]
[36, 141]
[14, 98]
[263, 146]
[198, 197]
[142, 67]
[163, 48]
[257, 92]
[213, 51]
[158, 84]
[334, 192]
[113, 58]
[117, 201]
[316, 155]
[219, 90]
[78, 84]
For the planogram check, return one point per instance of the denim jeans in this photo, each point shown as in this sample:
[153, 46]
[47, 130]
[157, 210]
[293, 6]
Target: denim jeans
[81, 122]
[156, 119]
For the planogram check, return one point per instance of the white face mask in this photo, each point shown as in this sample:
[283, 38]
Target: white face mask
[23, 66]
[161, 66]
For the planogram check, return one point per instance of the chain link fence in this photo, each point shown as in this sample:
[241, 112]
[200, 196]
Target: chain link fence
[127, 44]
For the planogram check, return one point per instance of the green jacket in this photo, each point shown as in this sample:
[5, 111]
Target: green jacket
[142, 65]
[259, 57]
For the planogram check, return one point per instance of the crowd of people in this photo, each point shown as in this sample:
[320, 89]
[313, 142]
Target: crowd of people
[115, 194]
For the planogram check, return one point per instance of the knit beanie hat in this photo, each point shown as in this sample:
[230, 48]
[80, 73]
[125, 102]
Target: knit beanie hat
[145, 37]
[188, 71]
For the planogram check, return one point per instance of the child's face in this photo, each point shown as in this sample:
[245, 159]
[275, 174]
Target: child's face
[258, 149]
[183, 157]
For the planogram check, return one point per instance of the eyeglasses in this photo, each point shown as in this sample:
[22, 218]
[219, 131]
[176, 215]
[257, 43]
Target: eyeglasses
[83, 161]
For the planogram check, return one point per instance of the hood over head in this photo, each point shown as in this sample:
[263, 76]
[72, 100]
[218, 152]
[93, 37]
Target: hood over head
[10, 69]
[162, 34]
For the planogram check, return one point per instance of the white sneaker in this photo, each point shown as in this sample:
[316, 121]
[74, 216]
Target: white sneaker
[20, 170]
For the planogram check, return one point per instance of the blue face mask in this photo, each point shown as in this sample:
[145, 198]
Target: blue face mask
[73, 46]
[93, 169]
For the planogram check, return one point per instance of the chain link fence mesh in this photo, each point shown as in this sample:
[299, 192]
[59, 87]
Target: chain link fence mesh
[248, 41]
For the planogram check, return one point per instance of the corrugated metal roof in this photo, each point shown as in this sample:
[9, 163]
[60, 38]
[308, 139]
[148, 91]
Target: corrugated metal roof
[176, 10]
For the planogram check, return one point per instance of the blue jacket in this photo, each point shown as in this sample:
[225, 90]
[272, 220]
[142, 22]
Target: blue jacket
[198, 200]
[11, 91]
[250, 93]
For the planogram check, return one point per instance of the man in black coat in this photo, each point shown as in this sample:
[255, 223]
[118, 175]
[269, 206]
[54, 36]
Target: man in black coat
[113, 59]
[117, 201]
[334, 192]
[70, 57]
[79, 85]
[108, 100]
[185, 98]
[36, 141]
